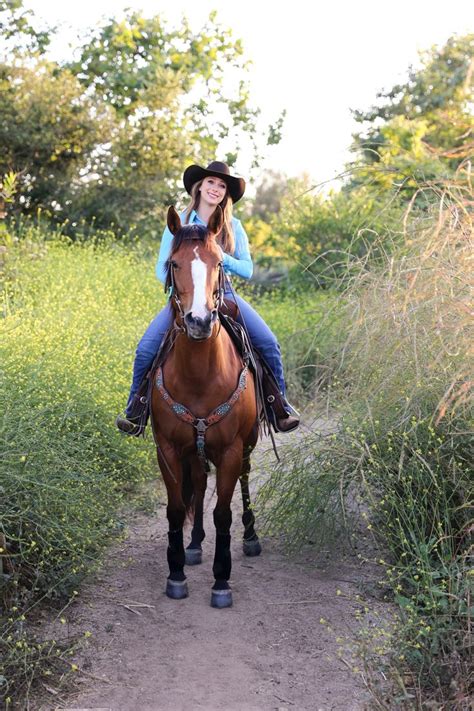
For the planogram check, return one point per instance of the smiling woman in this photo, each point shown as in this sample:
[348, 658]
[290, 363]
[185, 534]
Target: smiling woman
[210, 188]
[214, 190]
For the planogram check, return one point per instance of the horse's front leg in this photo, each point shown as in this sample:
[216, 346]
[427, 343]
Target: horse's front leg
[199, 481]
[170, 466]
[228, 471]
[251, 544]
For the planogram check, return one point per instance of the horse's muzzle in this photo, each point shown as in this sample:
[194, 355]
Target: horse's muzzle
[200, 328]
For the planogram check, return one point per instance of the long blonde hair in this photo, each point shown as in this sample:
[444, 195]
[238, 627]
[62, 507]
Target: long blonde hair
[226, 238]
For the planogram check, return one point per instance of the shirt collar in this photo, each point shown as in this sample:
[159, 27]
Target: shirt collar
[194, 217]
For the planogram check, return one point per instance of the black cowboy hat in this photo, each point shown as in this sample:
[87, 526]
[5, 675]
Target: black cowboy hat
[235, 185]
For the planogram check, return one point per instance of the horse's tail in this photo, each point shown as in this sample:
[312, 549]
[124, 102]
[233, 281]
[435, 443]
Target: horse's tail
[187, 491]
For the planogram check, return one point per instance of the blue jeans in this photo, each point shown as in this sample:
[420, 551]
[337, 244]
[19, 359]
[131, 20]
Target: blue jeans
[260, 334]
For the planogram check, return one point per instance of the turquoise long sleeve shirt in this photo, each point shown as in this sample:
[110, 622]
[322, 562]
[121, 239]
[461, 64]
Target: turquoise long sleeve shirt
[240, 263]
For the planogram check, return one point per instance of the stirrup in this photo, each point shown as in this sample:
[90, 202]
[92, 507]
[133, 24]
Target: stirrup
[130, 426]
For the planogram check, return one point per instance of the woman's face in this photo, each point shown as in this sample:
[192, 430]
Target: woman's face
[213, 190]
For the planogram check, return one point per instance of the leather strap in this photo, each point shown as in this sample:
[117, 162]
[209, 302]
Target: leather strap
[201, 424]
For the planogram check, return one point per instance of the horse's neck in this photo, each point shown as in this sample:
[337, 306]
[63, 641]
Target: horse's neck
[201, 361]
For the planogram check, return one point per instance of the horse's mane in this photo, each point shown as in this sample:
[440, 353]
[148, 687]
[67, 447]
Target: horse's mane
[185, 234]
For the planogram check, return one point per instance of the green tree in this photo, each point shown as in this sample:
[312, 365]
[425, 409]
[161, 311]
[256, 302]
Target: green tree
[124, 60]
[419, 134]
[167, 93]
[135, 176]
[321, 233]
[268, 195]
[17, 30]
[428, 116]
[105, 137]
[48, 131]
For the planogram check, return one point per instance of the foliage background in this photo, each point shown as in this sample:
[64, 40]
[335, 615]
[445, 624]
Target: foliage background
[91, 153]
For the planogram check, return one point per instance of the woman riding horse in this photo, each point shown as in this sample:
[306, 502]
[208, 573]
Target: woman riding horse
[203, 408]
[208, 188]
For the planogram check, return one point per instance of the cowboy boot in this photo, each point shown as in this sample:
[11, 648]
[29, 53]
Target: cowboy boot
[288, 423]
[280, 413]
[130, 426]
[136, 415]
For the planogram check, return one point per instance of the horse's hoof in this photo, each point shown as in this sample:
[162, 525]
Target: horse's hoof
[193, 556]
[176, 589]
[252, 548]
[221, 598]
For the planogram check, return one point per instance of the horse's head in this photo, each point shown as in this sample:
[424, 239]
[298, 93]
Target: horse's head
[195, 272]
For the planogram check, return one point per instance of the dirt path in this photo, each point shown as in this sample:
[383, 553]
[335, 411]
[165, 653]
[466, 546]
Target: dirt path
[269, 651]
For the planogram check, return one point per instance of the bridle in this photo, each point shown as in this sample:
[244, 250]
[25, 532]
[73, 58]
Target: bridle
[173, 295]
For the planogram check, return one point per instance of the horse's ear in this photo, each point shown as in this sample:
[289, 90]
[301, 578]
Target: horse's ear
[174, 223]
[216, 221]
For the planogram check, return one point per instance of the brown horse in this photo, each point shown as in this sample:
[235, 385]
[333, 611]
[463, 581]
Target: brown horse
[203, 407]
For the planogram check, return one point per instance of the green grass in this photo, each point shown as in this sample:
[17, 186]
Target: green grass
[73, 314]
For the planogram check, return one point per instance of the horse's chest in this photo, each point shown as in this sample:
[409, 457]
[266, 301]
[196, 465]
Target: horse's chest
[220, 431]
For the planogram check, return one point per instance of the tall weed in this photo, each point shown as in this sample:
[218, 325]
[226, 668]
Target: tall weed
[401, 398]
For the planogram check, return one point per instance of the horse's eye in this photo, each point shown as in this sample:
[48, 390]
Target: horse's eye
[174, 265]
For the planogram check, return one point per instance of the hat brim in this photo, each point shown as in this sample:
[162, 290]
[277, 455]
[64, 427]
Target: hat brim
[195, 173]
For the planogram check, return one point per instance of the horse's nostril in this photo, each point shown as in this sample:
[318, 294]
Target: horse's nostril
[196, 322]
[213, 315]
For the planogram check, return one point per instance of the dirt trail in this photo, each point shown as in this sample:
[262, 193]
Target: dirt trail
[269, 651]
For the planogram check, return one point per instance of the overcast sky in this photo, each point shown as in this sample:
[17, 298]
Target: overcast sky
[316, 60]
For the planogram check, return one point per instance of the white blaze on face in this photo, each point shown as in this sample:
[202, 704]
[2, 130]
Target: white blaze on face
[199, 274]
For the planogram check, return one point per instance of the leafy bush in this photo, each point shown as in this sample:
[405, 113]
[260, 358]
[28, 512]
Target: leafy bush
[322, 235]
